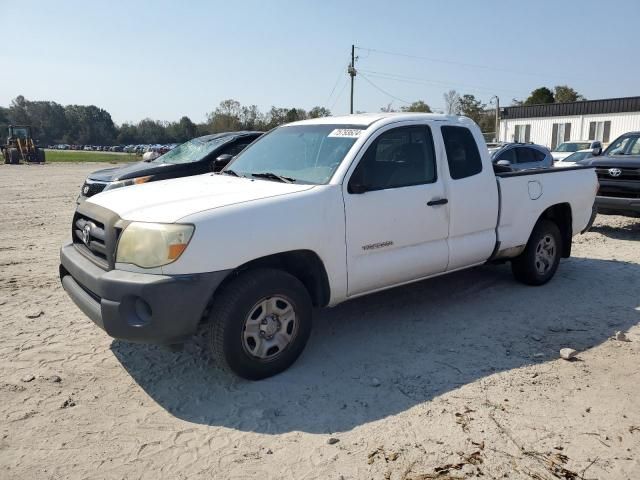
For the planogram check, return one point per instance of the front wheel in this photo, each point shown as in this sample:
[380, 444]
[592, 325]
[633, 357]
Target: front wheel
[260, 323]
[539, 261]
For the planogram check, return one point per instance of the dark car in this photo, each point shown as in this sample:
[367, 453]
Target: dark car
[200, 155]
[521, 156]
[618, 170]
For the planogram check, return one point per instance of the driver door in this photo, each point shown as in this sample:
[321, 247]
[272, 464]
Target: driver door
[397, 217]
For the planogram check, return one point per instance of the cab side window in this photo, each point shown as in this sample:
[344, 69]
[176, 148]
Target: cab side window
[400, 157]
[463, 156]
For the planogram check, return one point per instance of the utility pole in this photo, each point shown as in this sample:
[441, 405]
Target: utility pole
[352, 72]
[497, 128]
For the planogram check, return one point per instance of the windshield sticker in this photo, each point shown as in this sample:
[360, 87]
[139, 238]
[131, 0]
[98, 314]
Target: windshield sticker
[346, 133]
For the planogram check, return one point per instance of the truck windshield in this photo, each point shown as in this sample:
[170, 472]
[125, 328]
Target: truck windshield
[629, 145]
[192, 151]
[299, 153]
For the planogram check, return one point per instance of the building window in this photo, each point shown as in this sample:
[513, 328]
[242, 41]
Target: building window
[561, 132]
[522, 133]
[600, 131]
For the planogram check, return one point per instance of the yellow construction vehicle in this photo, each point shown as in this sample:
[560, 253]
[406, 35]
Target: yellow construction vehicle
[20, 146]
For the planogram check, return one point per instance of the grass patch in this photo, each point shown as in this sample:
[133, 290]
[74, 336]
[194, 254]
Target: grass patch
[82, 156]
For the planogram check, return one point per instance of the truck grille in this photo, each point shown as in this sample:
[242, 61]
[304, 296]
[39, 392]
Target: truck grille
[91, 188]
[95, 240]
[625, 173]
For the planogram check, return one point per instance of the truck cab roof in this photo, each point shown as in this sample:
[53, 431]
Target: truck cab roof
[368, 119]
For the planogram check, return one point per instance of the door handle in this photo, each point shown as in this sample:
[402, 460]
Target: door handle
[441, 201]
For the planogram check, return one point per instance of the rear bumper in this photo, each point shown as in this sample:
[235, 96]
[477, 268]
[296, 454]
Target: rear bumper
[137, 307]
[617, 205]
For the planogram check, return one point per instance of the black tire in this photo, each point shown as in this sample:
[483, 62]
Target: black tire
[14, 156]
[40, 155]
[536, 265]
[234, 305]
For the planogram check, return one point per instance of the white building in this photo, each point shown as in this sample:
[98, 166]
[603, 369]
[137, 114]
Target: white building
[553, 123]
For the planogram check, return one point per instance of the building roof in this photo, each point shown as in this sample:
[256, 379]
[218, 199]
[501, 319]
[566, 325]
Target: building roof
[586, 107]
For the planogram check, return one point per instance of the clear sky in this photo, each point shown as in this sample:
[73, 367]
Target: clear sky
[165, 59]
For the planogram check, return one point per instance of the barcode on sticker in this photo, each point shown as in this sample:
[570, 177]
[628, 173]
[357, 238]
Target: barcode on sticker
[346, 133]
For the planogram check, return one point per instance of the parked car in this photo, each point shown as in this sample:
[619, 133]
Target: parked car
[191, 158]
[575, 157]
[314, 213]
[618, 170]
[522, 156]
[567, 148]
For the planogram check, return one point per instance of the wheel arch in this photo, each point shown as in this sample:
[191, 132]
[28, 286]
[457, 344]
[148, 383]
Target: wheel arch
[561, 215]
[305, 265]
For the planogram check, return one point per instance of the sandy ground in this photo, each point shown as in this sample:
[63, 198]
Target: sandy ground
[454, 377]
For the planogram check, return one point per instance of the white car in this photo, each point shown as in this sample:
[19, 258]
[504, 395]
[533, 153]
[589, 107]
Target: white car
[565, 149]
[313, 213]
[574, 157]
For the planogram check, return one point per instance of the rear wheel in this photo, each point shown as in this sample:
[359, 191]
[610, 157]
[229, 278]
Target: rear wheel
[539, 261]
[40, 155]
[260, 323]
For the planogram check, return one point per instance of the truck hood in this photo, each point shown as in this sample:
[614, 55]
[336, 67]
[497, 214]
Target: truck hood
[619, 161]
[169, 201]
[133, 170]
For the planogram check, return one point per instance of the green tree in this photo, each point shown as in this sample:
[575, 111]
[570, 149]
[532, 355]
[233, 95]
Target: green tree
[471, 107]
[417, 106]
[540, 95]
[251, 118]
[317, 112]
[226, 117]
[89, 125]
[564, 93]
[127, 134]
[182, 130]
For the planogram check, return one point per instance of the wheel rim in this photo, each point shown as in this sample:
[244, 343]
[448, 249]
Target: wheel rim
[545, 254]
[269, 328]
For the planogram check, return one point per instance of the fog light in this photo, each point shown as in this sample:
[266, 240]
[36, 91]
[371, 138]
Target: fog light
[142, 313]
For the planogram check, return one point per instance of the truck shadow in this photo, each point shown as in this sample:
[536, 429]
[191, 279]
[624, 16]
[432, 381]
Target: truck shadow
[629, 231]
[383, 354]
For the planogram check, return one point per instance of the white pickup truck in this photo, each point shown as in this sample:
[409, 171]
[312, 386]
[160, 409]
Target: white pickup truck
[312, 214]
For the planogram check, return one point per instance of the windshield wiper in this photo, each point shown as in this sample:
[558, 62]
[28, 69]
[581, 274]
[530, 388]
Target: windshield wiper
[229, 172]
[273, 176]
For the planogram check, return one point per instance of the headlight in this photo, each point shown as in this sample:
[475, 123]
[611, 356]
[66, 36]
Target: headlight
[127, 182]
[149, 245]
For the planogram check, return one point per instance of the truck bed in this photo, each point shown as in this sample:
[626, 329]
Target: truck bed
[526, 194]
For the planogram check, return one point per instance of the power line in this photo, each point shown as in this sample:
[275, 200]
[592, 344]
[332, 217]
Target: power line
[383, 91]
[346, 82]
[335, 85]
[448, 62]
[417, 80]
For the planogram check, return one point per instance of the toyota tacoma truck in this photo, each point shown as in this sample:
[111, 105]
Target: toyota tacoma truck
[312, 214]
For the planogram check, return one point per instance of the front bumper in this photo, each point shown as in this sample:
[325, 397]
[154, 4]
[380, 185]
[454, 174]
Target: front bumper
[137, 307]
[618, 205]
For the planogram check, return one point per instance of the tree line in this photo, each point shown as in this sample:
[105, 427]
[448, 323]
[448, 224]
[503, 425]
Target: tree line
[53, 123]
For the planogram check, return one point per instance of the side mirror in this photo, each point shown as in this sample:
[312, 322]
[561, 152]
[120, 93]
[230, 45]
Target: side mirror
[222, 161]
[595, 151]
